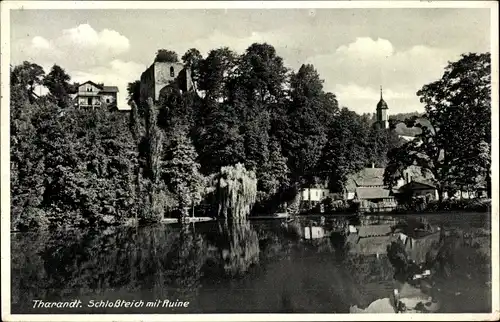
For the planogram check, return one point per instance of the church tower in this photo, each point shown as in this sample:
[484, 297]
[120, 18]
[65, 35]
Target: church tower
[382, 114]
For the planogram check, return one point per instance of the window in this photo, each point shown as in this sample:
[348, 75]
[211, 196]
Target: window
[89, 101]
[89, 89]
[172, 71]
[107, 100]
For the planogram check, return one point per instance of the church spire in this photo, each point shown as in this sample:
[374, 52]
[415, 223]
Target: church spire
[382, 115]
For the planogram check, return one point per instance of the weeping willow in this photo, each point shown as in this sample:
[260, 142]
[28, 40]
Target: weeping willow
[236, 190]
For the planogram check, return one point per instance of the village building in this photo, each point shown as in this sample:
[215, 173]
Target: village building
[314, 195]
[367, 187]
[159, 78]
[92, 95]
[415, 189]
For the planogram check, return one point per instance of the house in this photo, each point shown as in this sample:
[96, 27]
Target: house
[314, 194]
[158, 78]
[91, 95]
[367, 187]
[367, 177]
[419, 189]
[374, 198]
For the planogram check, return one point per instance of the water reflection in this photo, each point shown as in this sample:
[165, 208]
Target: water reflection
[183, 264]
[219, 266]
[234, 249]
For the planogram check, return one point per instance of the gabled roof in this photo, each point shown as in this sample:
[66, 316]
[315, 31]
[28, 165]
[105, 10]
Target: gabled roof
[374, 230]
[91, 82]
[367, 193]
[367, 177]
[109, 89]
[106, 89]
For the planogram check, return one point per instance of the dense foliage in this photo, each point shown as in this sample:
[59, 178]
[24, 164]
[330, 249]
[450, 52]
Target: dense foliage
[454, 146]
[68, 166]
[282, 128]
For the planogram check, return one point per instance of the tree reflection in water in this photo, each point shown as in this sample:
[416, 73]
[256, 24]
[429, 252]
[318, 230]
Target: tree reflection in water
[229, 266]
[56, 265]
[237, 247]
[184, 263]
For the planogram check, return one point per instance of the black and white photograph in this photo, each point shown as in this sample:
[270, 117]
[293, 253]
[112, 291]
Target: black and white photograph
[243, 161]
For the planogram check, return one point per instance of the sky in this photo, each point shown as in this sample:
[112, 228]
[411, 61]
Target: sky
[355, 51]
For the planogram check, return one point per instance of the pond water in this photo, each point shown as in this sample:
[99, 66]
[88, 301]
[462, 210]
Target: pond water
[218, 267]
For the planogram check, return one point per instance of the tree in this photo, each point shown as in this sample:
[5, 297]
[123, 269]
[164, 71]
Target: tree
[258, 84]
[274, 173]
[193, 59]
[236, 191]
[155, 210]
[181, 172]
[28, 75]
[134, 91]
[458, 110]
[166, 56]
[345, 150]
[220, 143]
[306, 134]
[262, 73]
[379, 143]
[57, 82]
[135, 127]
[26, 163]
[216, 71]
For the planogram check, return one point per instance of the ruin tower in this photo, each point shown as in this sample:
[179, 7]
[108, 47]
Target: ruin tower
[160, 75]
[382, 113]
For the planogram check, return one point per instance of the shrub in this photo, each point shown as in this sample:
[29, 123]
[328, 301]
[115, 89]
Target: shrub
[481, 205]
[31, 219]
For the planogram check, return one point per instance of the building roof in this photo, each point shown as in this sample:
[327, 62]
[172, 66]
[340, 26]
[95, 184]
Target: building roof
[367, 193]
[109, 89]
[106, 89]
[382, 105]
[374, 230]
[90, 82]
[367, 177]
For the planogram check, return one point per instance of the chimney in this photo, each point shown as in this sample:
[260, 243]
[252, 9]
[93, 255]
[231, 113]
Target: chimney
[373, 165]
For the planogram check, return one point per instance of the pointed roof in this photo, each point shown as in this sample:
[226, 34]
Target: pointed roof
[91, 82]
[382, 105]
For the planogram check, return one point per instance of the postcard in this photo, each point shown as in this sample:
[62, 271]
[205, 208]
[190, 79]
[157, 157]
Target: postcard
[242, 161]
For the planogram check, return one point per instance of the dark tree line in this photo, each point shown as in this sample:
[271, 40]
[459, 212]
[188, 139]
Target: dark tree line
[251, 132]
[280, 124]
